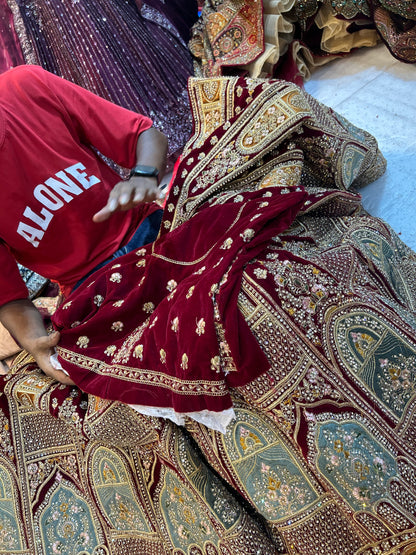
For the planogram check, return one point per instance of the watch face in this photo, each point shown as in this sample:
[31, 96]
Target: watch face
[147, 171]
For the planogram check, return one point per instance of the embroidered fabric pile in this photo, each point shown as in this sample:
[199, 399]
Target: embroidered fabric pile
[319, 457]
[289, 38]
[258, 394]
[132, 53]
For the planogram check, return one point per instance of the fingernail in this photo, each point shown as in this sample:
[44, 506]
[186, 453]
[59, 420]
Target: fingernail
[112, 205]
[124, 199]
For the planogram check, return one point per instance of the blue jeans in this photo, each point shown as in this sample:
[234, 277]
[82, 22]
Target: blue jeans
[144, 234]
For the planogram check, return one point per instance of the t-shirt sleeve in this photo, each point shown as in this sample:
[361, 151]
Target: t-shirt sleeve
[12, 286]
[111, 129]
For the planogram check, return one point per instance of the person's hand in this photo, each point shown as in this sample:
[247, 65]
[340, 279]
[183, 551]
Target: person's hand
[41, 349]
[127, 194]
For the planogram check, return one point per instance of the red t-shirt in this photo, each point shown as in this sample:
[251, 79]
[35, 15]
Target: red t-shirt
[52, 181]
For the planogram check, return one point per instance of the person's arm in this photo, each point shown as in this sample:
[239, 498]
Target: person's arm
[151, 150]
[24, 322]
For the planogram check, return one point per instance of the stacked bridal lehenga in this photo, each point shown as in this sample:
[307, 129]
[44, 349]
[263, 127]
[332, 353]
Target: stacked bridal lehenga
[298, 316]
[257, 396]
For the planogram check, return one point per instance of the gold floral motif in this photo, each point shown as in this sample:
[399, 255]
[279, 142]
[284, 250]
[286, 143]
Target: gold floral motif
[162, 353]
[190, 292]
[184, 363]
[260, 273]
[167, 224]
[83, 341]
[117, 326]
[67, 305]
[138, 352]
[216, 364]
[171, 207]
[116, 266]
[282, 176]
[110, 350]
[247, 235]
[227, 244]
[212, 121]
[116, 277]
[200, 326]
[98, 300]
[171, 285]
[75, 324]
[117, 304]
[148, 307]
[225, 348]
[175, 324]
[211, 87]
[141, 263]
[269, 120]
[141, 252]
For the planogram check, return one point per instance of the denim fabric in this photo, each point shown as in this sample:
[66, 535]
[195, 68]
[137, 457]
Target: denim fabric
[144, 234]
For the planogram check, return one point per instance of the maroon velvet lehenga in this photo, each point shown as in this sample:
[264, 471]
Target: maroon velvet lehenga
[306, 328]
[128, 52]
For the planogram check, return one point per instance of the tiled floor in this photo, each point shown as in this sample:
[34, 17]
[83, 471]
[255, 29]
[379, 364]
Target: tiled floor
[378, 93]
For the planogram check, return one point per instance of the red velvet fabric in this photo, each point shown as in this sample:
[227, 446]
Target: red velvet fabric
[161, 326]
[179, 295]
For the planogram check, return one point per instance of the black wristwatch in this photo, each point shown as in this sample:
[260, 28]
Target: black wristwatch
[144, 171]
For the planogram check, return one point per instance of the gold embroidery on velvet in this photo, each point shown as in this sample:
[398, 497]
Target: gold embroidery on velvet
[219, 168]
[159, 379]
